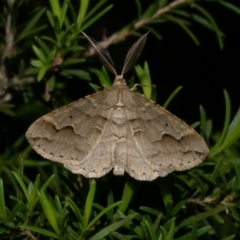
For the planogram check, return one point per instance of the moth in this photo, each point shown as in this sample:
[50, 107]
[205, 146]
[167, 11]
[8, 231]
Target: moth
[117, 129]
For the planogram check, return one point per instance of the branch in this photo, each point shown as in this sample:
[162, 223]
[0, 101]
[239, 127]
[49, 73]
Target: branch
[4, 96]
[8, 51]
[123, 34]
[28, 234]
[159, 12]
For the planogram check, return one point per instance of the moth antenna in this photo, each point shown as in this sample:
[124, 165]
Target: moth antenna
[103, 54]
[134, 53]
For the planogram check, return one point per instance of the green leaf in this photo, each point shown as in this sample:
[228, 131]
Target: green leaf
[105, 210]
[50, 56]
[45, 185]
[190, 33]
[217, 147]
[200, 232]
[16, 210]
[234, 211]
[75, 48]
[58, 204]
[139, 8]
[39, 54]
[56, 9]
[94, 87]
[103, 77]
[163, 234]
[150, 229]
[23, 186]
[51, 83]
[237, 171]
[33, 196]
[82, 12]
[77, 213]
[150, 11]
[95, 9]
[144, 234]
[137, 229]
[3, 216]
[219, 34]
[173, 94]
[110, 200]
[156, 34]
[177, 20]
[37, 63]
[203, 21]
[6, 109]
[170, 233]
[145, 80]
[76, 72]
[178, 206]
[129, 189]
[89, 201]
[194, 230]
[49, 39]
[165, 186]
[233, 133]
[31, 28]
[153, 211]
[202, 216]
[120, 236]
[230, 6]
[51, 18]
[183, 24]
[40, 230]
[206, 125]
[199, 182]
[49, 211]
[72, 12]
[63, 18]
[229, 237]
[95, 18]
[42, 72]
[72, 61]
[162, 3]
[113, 227]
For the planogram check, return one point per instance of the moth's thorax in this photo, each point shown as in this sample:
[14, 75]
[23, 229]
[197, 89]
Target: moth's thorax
[117, 100]
[119, 81]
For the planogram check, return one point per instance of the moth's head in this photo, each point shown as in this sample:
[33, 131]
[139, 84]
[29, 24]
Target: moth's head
[119, 80]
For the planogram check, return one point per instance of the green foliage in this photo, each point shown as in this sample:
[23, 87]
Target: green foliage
[64, 41]
[48, 52]
[145, 80]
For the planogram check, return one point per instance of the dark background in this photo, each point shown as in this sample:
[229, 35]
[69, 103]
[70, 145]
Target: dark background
[203, 71]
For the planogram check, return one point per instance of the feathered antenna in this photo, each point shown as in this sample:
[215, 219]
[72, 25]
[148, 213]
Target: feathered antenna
[130, 60]
[103, 54]
[134, 53]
